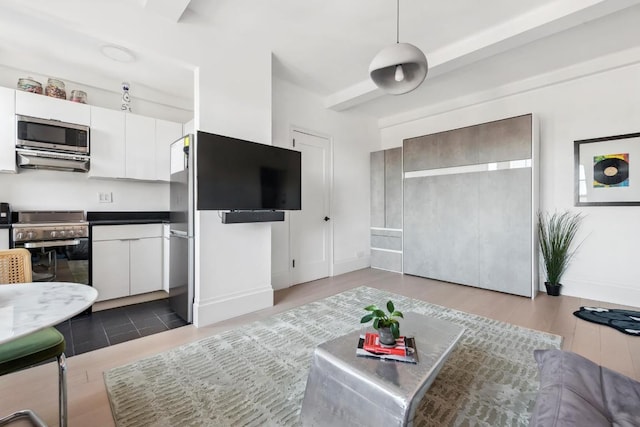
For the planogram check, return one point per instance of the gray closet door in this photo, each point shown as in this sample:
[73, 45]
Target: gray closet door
[386, 209]
[468, 206]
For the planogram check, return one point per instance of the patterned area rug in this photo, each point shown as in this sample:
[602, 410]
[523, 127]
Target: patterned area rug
[255, 375]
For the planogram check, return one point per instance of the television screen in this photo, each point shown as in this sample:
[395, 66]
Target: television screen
[233, 174]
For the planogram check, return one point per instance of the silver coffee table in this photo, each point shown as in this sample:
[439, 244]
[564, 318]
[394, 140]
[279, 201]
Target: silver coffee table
[345, 390]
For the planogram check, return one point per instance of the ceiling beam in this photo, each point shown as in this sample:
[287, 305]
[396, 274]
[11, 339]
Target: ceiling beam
[170, 9]
[515, 33]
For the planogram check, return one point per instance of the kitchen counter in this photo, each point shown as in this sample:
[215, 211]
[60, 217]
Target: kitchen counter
[127, 217]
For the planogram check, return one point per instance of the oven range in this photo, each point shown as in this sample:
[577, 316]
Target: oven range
[58, 242]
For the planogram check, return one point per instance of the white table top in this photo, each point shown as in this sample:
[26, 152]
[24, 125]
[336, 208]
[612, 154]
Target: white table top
[29, 307]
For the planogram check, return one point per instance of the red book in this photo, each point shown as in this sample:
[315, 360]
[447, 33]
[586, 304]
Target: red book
[372, 344]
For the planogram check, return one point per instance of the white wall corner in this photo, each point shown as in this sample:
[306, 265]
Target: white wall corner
[349, 265]
[280, 280]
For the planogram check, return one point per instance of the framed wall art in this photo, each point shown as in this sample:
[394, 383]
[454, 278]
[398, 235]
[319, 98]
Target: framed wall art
[607, 171]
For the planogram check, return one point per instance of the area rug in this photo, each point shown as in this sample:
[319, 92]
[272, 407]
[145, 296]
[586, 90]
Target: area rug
[625, 321]
[255, 374]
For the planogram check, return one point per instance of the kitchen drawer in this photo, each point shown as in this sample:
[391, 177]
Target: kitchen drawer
[125, 232]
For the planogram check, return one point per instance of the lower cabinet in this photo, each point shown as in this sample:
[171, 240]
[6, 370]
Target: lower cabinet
[126, 260]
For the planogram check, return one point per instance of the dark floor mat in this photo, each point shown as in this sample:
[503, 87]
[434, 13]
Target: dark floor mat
[626, 321]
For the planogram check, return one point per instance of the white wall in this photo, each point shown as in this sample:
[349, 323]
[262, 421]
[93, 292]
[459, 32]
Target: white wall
[54, 190]
[606, 266]
[233, 261]
[353, 137]
[104, 98]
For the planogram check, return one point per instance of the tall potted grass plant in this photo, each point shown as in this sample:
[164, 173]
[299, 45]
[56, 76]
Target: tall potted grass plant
[556, 233]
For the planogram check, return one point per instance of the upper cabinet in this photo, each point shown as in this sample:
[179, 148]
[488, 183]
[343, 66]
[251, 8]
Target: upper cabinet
[130, 146]
[45, 107]
[7, 130]
[107, 143]
[140, 147]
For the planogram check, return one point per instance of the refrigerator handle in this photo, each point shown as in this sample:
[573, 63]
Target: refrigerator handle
[178, 233]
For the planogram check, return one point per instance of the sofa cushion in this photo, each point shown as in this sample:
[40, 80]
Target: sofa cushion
[577, 392]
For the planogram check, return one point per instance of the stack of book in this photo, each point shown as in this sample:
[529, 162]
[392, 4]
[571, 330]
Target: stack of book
[404, 350]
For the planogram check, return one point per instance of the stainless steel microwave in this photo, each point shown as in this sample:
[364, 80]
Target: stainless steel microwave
[52, 135]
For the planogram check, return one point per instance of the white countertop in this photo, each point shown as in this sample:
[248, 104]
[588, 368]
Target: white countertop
[29, 307]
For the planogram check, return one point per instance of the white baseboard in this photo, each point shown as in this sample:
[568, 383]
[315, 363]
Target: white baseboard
[352, 264]
[606, 292]
[228, 306]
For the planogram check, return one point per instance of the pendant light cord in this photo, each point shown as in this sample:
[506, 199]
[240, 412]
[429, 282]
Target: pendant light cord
[398, 22]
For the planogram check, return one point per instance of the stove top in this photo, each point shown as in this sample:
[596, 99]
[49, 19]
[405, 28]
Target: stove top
[45, 217]
[49, 226]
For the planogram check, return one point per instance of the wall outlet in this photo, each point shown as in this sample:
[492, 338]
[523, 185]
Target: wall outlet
[105, 197]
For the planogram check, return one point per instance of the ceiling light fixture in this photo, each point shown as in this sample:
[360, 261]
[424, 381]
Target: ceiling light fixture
[118, 53]
[399, 68]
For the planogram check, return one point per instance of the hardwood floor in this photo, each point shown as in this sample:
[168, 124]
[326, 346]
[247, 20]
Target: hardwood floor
[36, 388]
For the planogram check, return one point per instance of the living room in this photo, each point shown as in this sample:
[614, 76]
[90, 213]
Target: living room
[582, 94]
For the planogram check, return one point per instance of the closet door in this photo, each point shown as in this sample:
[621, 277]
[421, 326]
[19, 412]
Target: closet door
[386, 209]
[469, 206]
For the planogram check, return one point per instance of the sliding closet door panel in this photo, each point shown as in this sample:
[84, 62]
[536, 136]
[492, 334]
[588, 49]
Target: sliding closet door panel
[393, 188]
[508, 139]
[420, 153]
[377, 189]
[504, 225]
[440, 231]
[384, 260]
[442, 150]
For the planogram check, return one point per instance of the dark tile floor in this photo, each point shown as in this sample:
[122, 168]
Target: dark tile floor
[108, 327]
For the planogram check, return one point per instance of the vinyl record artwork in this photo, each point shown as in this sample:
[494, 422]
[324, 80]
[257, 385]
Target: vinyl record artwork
[611, 170]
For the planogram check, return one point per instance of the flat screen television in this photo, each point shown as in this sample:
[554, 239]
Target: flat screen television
[234, 174]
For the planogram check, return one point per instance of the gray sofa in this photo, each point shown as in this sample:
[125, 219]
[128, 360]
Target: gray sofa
[574, 391]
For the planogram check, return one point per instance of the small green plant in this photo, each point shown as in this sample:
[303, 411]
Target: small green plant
[556, 233]
[382, 320]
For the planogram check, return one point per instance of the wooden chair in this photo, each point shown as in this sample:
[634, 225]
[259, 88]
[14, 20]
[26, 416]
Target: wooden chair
[38, 347]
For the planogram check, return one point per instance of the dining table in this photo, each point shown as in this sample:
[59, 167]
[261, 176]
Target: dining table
[28, 307]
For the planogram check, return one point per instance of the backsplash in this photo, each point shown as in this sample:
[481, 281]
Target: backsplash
[45, 190]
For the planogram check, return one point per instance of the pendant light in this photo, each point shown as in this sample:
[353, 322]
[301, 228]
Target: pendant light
[399, 68]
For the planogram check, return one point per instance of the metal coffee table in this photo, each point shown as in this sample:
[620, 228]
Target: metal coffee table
[345, 390]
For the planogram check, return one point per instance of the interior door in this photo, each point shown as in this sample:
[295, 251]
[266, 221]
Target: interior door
[310, 228]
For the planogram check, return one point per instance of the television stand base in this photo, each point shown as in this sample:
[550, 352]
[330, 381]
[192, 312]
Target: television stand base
[238, 217]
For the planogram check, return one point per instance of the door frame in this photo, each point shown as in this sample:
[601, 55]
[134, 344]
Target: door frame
[329, 138]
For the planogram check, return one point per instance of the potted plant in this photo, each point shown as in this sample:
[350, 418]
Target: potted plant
[387, 326]
[556, 233]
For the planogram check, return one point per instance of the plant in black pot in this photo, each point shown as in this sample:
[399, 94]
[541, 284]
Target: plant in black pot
[556, 233]
[387, 326]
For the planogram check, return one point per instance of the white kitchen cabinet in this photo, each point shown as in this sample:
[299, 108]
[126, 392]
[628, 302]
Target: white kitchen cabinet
[140, 157]
[107, 143]
[145, 265]
[4, 238]
[46, 107]
[166, 133]
[110, 268]
[127, 259]
[7, 130]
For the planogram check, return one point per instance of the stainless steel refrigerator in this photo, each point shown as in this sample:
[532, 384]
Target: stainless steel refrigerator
[181, 244]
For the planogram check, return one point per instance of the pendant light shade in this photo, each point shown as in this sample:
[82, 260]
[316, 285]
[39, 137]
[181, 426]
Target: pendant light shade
[399, 68]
